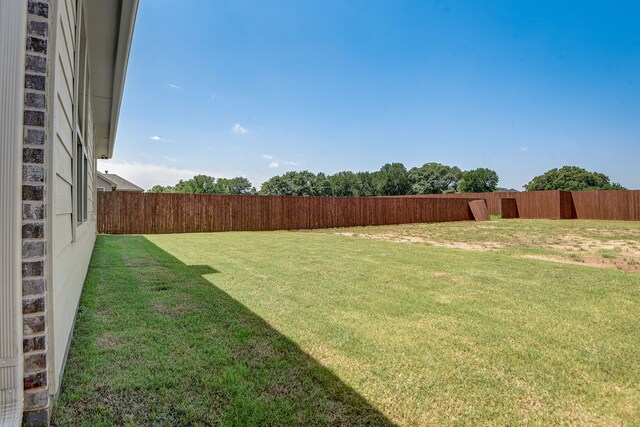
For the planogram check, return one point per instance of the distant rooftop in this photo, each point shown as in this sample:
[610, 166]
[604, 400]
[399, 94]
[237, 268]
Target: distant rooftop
[121, 183]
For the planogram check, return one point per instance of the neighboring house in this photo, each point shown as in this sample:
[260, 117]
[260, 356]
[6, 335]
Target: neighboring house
[104, 184]
[112, 182]
[62, 69]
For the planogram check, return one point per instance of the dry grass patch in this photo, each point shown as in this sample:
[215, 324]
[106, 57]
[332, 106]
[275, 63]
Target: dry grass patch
[612, 244]
[109, 340]
[171, 310]
[310, 328]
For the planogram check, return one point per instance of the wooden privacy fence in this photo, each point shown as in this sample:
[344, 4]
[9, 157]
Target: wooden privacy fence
[530, 204]
[614, 204]
[149, 213]
[152, 213]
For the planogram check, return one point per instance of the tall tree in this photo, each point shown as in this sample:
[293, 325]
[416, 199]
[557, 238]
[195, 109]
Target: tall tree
[237, 185]
[572, 178]
[434, 178]
[203, 184]
[303, 183]
[481, 180]
[366, 184]
[161, 189]
[199, 184]
[344, 184]
[392, 180]
[277, 186]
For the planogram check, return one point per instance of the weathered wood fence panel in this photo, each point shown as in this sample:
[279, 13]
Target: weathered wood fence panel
[613, 204]
[479, 210]
[509, 208]
[531, 204]
[151, 213]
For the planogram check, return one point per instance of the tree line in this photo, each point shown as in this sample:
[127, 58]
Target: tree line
[393, 179]
[203, 184]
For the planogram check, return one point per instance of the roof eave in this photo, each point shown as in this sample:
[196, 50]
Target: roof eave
[104, 176]
[110, 25]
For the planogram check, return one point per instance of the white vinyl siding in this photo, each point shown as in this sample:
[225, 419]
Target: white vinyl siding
[72, 241]
[104, 184]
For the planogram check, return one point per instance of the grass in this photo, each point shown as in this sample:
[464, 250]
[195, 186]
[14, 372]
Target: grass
[293, 328]
[607, 244]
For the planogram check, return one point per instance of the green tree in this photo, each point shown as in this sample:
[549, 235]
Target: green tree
[293, 183]
[203, 184]
[199, 184]
[321, 185]
[392, 180]
[161, 189]
[344, 184]
[366, 184]
[434, 178]
[481, 180]
[572, 178]
[237, 185]
[276, 186]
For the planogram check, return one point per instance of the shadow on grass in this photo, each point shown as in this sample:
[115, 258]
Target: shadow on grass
[157, 344]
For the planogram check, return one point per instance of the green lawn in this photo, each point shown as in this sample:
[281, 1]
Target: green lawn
[314, 328]
[605, 244]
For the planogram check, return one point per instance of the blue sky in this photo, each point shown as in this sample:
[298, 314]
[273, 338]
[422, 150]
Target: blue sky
[257, 88]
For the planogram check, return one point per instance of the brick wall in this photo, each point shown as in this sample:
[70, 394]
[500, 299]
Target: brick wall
[34, 215]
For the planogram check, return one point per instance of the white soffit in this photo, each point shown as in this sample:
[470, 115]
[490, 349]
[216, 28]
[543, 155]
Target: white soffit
[109, 26]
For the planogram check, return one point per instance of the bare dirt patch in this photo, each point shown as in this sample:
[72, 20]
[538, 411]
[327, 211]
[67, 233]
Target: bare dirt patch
[256, 353]
[109, 340]
[567, 244]
[620, 254]
[171, 310]
[614, 233]
[448, 277]
[588, 262]
[479, 246]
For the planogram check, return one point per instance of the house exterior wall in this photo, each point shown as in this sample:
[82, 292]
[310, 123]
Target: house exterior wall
[56, 247]
[35, 213]
[101, 183]
[71, 242]
[12, 77]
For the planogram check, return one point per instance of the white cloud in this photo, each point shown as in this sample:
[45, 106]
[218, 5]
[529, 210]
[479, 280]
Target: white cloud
[175, 87]
[147, 175]
[523, 149]
[239, 129]
[158, 139]
[171, 159]
[276, 163]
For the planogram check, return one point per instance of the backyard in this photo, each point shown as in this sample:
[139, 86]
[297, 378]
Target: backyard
[502, 322]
